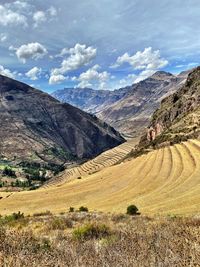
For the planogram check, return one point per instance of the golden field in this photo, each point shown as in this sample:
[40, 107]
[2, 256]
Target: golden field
[164, 181]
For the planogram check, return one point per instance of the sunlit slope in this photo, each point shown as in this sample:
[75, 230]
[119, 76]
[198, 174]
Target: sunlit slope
[106, 159]
[165, 181]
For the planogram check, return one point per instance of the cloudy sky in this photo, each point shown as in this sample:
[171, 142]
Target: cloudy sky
[102, 44]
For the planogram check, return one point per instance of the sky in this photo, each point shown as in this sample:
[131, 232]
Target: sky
[104, 44]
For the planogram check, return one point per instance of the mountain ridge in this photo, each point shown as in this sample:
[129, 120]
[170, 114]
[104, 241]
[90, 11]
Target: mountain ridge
[35, 127]
[178, 117]
[127, 109]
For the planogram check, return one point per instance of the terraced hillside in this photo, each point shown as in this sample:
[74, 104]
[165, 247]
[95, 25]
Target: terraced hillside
[106, 159]
[164, 181]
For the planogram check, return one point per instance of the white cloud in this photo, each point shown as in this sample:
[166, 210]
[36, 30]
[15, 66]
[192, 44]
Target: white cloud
[130, 79]
[9, 17]
[31, 50]
[7, 72]
[57, 79]
[93, 77]
[18, 5]
[3, 37]
[42, 16]
[79, 56]
[148, 59]
[39, 17]
[34, 73]
[52, 11]
[143, 75]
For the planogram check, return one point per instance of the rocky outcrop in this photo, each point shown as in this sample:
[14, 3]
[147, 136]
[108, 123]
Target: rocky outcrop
[178, 117]
[154, 131]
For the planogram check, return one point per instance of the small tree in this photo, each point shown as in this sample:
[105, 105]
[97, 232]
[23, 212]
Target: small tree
[83, 209]
[132, 210]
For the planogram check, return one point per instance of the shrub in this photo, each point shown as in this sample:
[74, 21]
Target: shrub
[82, 208]
[11, 218]
[91, 231]
[132, 210]
[9, 172]
[59, 224]
[71, 209]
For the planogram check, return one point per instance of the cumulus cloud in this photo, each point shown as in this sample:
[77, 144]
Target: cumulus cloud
[52, 11]
[143, 75]
[130, 79]
[93, 77]
[7, 72]
[148, 59]
[57, 79]
[42, 16]
[31, 50]
[9, 17]
[18, 5]
[79, 55]
[33, 73]
[39, 17]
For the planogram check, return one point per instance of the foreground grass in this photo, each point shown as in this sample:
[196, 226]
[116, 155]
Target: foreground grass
[97, 239]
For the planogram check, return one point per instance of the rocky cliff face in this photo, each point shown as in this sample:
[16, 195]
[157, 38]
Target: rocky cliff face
[178, 117]
[35, 127]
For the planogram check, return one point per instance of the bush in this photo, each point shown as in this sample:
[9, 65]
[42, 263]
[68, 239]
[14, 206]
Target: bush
[71, 209]
[132, 210]
[9, 172]
[11, 218]
[91, 231]
[59, 224]
[82, 208]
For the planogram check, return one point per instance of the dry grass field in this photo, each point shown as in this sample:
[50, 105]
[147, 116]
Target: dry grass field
[104, 160]
[164, 181]
[97, 239]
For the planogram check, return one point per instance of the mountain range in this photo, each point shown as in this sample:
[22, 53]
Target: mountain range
[127, 109]
[35, 127]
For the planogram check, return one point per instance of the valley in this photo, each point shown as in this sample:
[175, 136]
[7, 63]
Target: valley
[164, 181]
[99, 133]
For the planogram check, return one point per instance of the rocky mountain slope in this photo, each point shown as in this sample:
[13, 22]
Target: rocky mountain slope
[127, 109]
[35, 127]
[88, 99]
[132, 113]
[178, 117]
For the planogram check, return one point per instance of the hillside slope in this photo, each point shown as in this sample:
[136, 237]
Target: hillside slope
[164, 181]
[132, 113]
[35, 127]
[88, 99]
[179, 114]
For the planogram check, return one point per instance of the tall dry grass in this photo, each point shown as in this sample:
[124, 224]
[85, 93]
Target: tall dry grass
[102, 240]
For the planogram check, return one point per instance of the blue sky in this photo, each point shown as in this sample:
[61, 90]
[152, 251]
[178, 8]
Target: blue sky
[103, 44]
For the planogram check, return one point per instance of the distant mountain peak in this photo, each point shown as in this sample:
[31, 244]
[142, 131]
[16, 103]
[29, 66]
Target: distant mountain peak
[162, 75]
